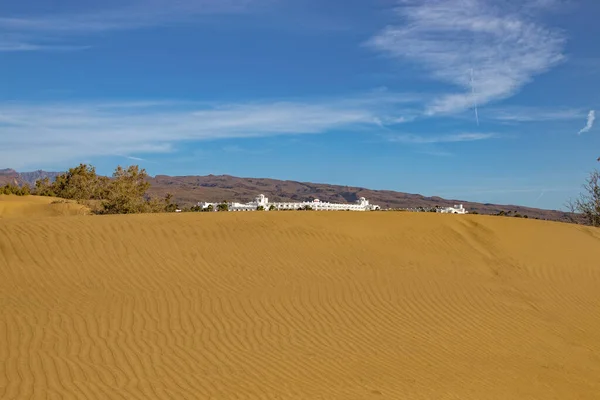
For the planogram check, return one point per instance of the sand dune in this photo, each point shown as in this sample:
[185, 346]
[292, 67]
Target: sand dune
[298, 305]
[37, 206]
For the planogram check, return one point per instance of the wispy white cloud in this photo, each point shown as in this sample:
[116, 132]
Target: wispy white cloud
[503, 46]
[533, 114]
[25, 46]
[34, 133]
[18, 42]
[244, 150]
[135, 158]
[590, 122]
[130, 15]
[436, 153]
[448, 138]
[34, 33]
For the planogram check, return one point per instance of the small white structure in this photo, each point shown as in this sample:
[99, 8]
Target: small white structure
[457, 209]
[361, 204]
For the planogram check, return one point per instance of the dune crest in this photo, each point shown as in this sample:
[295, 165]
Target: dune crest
[12, 206]
[298, 305]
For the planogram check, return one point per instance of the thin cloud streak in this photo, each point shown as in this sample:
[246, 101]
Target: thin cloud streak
[436, 153]
[450, 138]
[504, 49]
[533, 114]
[61, 132]
[130, 16]
[41, 33]
[24, 47]
[135, 158]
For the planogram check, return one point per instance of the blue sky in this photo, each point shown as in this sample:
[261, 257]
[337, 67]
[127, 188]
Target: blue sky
[490, 101]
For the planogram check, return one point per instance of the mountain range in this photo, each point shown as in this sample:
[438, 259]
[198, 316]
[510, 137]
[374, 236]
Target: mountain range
[188, 190]
[9, 175]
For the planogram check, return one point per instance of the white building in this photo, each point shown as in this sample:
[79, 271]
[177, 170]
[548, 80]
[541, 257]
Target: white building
[361, 204]
[457, 209]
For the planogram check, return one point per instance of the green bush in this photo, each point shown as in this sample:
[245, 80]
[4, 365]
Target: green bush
[10, 188]
[81, 183]
[43, 187]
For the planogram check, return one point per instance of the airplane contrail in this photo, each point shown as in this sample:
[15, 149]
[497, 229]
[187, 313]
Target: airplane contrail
[540, 196]
[474, 98]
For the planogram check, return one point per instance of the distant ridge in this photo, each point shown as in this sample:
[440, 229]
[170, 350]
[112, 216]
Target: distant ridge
[189, 190]
[9, 175]
[32, 177]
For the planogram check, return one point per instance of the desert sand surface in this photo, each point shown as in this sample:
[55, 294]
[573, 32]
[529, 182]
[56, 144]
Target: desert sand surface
[298, 305]
[12, 206]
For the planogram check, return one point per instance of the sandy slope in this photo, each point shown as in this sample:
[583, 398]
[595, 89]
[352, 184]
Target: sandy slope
[298, 305]
[36, 206]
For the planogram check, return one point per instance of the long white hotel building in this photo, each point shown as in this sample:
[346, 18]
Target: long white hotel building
[361, 204]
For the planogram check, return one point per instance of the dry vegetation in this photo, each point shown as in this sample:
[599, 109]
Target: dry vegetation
[298, 306]
[586, 208]
[124, 193]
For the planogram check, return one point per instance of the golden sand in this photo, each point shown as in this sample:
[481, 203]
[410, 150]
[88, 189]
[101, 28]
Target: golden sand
[36, 206]
[298, 305]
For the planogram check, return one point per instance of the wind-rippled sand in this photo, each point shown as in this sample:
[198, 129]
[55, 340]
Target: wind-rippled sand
[12, 206]
[298, 305]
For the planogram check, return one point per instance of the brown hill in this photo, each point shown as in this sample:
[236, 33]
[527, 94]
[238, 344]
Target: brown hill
[298, 306]
[33, 176]
[188, 190]
[9, 175]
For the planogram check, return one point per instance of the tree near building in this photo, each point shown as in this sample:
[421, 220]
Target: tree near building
[169, 206]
